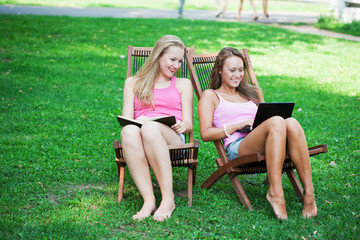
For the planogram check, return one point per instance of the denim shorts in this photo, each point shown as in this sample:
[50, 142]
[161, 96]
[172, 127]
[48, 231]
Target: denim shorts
[232, 150]
[182, 137]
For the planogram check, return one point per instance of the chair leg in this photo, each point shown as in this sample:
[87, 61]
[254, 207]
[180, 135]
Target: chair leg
[296, 184]
[194, 174]
[266, 181]
[190, 185]
[240, 192]
[121, 182]
[238, 188]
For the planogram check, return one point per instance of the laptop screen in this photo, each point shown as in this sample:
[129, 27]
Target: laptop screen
[268, 110]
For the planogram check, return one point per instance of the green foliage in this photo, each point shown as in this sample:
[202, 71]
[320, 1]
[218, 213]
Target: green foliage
[334, 24]
[61, 86]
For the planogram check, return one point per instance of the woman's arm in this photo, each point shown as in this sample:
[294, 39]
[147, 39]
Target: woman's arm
[206, 107]
[187, 103]
[128, 98]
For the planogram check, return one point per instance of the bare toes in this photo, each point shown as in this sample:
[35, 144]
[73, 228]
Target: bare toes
[164, 211]
[144, 212]
[310, 208]
[278, 205]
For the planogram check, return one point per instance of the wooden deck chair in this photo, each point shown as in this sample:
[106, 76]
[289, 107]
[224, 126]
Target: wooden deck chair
[184, 155]
[200, 66]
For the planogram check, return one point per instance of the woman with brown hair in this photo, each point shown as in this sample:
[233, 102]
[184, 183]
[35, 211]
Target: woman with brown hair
[230, 105]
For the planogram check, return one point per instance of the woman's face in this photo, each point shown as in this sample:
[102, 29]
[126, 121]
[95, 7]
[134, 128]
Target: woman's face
[171, 61]
[233, 71]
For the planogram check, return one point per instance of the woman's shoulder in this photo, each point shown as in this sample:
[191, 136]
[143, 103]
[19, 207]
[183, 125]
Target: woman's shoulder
[209, 93]
[130, 81]
[183, 83]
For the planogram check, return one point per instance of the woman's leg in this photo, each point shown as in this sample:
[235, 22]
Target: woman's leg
[156, 138]
[139, 168]
[298, 150]
[266, 15]
[240, 8]
[269, 138]
[224, 8]
[218, 12]
[254, 8]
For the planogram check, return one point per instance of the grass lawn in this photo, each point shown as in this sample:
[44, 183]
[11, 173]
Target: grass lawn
[333, 24]
[61, 86]
[273, 5]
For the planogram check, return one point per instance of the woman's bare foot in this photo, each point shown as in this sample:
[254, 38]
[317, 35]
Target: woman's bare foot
[165, 210]
[278, 205]
[147, 209]
[310, 209]
[238, 16]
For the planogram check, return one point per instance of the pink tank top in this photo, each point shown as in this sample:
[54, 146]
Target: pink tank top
[228, 113]
[167, 102]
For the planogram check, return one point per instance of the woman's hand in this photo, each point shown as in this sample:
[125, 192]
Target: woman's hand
[245, 127]
[247, 124]
[179, 127]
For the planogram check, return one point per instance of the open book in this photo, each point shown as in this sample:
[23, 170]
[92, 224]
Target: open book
[167, 120]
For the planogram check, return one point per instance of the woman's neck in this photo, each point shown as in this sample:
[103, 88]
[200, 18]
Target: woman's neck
[160, 78]
[162, 82]
[227, 90]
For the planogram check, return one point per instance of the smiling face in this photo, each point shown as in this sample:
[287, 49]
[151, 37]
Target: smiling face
[233, 71]
[171, 61]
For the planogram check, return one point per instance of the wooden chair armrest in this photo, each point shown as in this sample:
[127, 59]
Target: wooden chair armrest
[194, 144]
[317, 149]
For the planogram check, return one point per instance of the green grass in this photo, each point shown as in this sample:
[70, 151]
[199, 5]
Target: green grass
[61, 83]
[333, 24]
[274, 6]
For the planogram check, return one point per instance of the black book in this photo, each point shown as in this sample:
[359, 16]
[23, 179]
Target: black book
[167, 120]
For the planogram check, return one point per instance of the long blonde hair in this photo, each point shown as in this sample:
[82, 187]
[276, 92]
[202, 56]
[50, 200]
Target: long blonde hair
[245, 88]
[145, 77]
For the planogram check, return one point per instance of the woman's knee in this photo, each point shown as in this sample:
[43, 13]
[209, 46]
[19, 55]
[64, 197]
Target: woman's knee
[130, 133]
[277, 125]
[293, 128]
[150, 131]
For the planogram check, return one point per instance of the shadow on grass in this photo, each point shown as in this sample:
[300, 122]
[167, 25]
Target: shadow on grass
[61, 88]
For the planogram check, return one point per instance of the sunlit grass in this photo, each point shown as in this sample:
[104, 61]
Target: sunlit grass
[61, 85]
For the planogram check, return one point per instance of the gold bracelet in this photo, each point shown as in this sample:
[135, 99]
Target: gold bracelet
[227, 135]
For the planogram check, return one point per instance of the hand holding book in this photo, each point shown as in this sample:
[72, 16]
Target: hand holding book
[179, 127]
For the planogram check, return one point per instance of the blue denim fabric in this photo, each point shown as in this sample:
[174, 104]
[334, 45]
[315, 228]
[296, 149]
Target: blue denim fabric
[232, 150]
[182, 136]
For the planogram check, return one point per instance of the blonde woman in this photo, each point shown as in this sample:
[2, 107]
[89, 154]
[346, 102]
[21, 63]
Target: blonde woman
[155, 91]
[231, 105]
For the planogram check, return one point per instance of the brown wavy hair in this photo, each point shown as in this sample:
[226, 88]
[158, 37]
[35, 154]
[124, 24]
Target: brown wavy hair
[245, 88]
